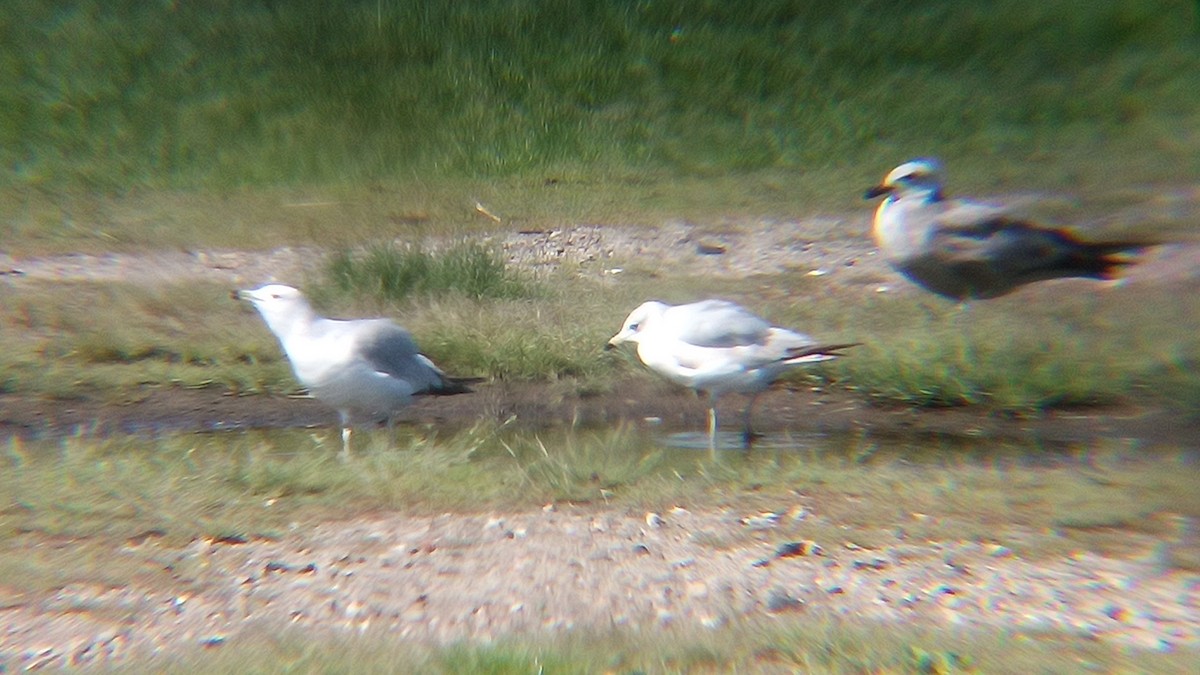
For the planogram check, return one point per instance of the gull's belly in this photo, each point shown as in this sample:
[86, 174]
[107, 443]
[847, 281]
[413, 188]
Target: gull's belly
[741, 381]
[898, 231]
[712, 370]
[361, 388]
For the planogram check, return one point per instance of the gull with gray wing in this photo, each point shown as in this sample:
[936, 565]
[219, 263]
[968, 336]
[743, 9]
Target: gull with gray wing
[364, 367]
[966, 250]
[717, 347]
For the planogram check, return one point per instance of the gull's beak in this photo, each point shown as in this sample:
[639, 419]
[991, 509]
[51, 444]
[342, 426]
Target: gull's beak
[615, 341]
[245, 294]
[878, 191]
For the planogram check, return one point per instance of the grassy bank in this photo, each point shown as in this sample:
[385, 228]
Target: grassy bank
[475, 315]
[117, 96]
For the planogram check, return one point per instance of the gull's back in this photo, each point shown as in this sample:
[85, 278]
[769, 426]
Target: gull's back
[714, 323]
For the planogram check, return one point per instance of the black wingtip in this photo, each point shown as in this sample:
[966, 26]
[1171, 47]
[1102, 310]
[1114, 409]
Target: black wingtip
[822, 350]
[835, 350]
[456, 385]
[1106, 260]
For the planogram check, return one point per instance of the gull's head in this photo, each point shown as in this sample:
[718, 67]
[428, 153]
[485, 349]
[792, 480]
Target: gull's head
[918, 176]
[637, 323]
[278, 304]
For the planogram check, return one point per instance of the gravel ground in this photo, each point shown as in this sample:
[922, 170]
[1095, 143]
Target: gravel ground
[478, 577]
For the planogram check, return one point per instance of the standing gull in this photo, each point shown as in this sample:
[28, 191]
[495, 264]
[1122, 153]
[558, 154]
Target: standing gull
[715, 347]
[966, 250]
[368, 367]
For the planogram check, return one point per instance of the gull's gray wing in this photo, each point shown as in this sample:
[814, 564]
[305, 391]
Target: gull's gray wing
[391, 349]
[716, 323]
[991, 257]
[968, 233]
[1009, 246]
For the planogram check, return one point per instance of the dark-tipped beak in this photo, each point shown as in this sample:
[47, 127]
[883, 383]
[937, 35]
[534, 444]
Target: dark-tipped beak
[608, 346]
[235, 294]
[877, 191]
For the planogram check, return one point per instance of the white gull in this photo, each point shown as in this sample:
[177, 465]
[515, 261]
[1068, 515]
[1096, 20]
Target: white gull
[717, 347]
[364, 367]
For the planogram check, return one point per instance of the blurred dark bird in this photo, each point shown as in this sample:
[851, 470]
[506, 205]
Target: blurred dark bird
[966, 250]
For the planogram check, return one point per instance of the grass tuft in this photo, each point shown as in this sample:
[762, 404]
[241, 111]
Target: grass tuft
[388, 273]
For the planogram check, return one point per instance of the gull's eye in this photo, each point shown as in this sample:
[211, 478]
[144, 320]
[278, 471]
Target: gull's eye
[276, 296]
[634, 326]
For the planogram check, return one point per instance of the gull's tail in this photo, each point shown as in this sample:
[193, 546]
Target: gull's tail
[1100, 260]
[817, 353]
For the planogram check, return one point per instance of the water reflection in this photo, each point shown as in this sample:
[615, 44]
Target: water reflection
[733, 441]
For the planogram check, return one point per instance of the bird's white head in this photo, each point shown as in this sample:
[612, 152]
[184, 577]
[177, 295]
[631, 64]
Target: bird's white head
[638, 322]
[280, 306]
[915, 177]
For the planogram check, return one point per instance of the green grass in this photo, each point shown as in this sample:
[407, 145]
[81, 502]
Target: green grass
[386, 272]
[1114, 346]
[118, 96]
[258, 484]
[94, 339]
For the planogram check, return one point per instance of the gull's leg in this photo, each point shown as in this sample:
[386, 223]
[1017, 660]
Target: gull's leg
[962, 314]
[748, 434]
[345, 415]
[712, 425]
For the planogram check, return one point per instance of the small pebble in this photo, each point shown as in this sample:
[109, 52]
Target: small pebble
[780, 600]
[797, 548]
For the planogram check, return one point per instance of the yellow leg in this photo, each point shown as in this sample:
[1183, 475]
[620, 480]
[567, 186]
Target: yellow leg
[712, 427]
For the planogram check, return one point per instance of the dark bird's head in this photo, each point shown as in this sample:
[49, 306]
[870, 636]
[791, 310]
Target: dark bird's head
[916, 176]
